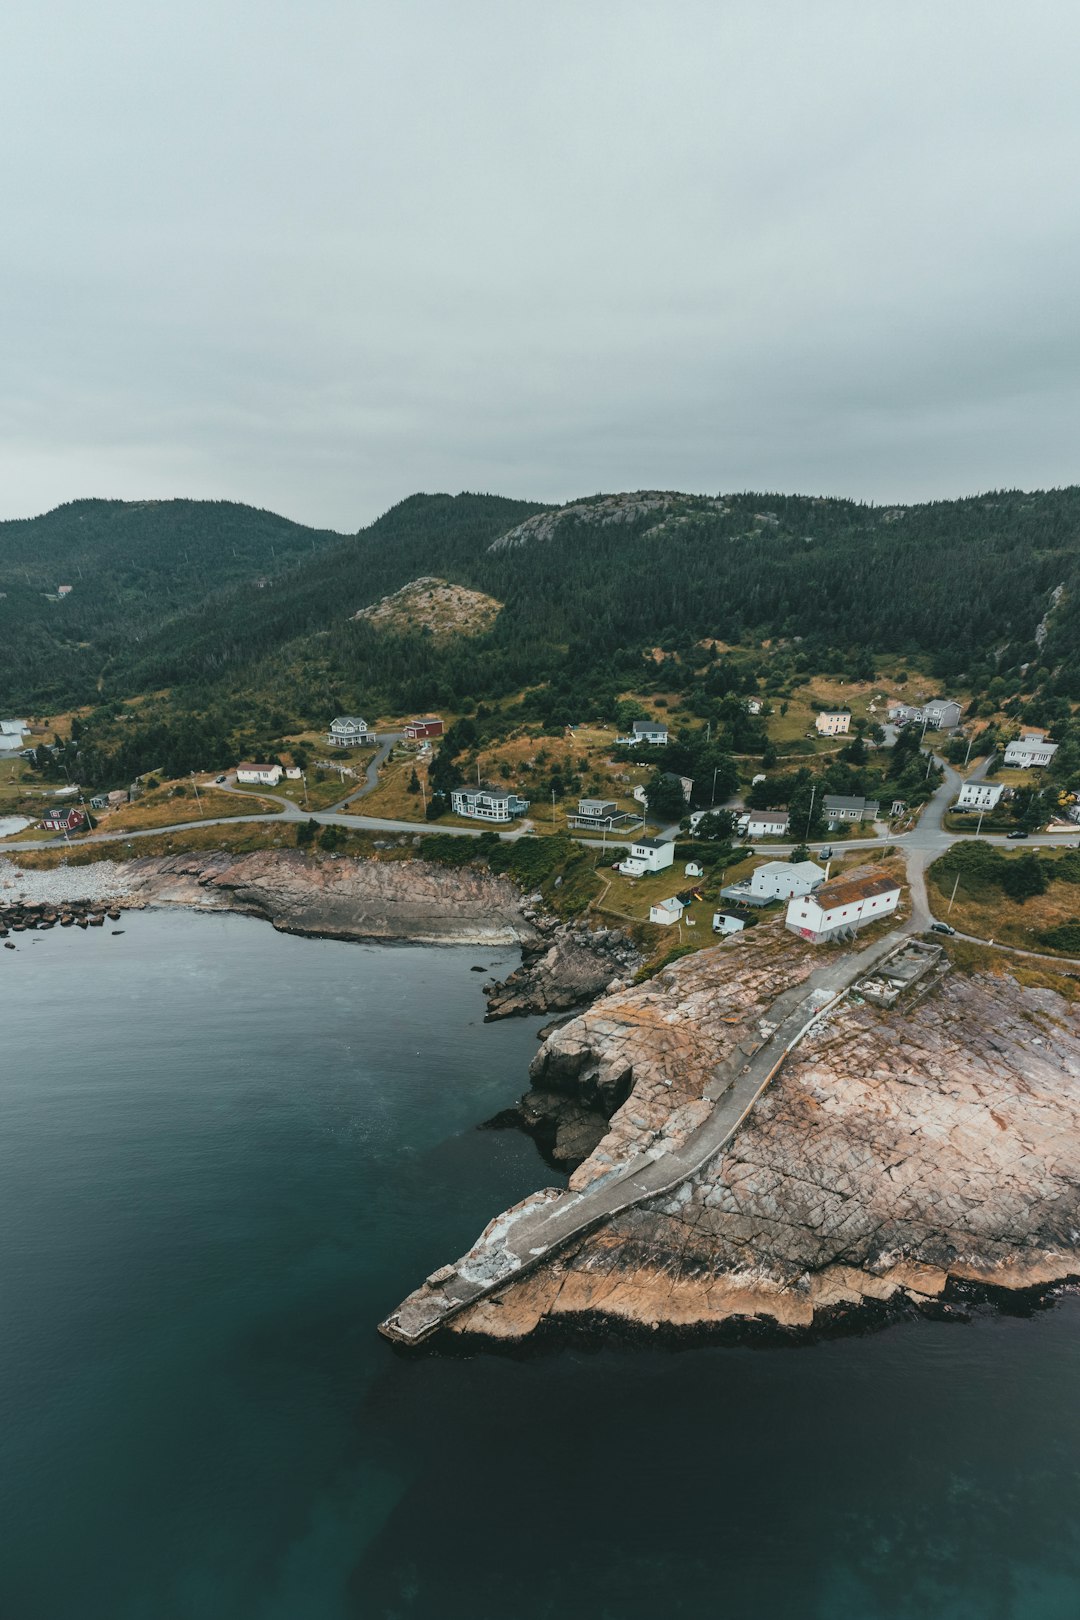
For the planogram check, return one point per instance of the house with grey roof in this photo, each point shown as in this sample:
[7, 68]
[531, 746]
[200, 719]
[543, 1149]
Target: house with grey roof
[840, 808]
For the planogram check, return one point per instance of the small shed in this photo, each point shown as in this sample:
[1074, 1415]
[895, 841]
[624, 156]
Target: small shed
[728, 922]
[667, 912]
[692, 869]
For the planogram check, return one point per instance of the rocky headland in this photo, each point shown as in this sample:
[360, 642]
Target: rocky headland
[897, 1155]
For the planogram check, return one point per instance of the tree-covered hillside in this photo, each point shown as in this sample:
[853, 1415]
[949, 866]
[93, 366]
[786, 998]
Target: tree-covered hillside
[133, 566]
[221, 603]
[179, 591]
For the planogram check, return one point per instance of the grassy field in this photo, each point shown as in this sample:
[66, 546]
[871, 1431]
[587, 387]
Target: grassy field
[162, 805]
[985, 911]
[967, 957]
[322, 790]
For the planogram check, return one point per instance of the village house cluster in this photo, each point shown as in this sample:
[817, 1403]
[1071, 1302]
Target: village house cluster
[940, 714]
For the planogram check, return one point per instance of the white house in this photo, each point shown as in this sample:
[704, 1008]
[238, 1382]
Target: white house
[843, 905]
[979, 795]
[667, 912]
[833, 722]
[765, 823]
[293, 773]
[487, 804]
[646, 731]
[754, 705]
[647, 855]
[265, 775]
[785, 880]
[1028, 751]
[349, 731]
[726, 922]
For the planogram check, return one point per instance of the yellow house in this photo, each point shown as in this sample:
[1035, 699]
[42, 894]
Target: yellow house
[833, 722]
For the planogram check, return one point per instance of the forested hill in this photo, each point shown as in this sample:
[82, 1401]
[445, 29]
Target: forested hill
[215, 601]
[132, 566]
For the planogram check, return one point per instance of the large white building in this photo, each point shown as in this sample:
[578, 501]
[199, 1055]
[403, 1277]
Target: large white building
[785, 880]
[775, 880]
[647, 855]
[979, 795]
[842, 906]
[487, 804]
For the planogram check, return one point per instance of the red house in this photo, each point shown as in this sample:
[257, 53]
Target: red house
[64, 818]
[429, 725]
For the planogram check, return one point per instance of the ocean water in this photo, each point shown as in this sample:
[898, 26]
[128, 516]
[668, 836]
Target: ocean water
[226, 1153]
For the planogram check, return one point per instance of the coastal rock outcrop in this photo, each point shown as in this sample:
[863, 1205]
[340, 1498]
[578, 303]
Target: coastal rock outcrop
[899, 1152]
[564, 965]
[341, 898]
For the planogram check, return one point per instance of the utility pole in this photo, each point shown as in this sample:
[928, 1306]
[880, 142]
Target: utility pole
[952, 896]
[712, 795]
[978, 829]
[195, 785]
[810, 812]
[967, 756]
[553, 807]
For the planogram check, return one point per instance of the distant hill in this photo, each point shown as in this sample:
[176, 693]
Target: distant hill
[168, 591]
[131, 566]
[235, 608]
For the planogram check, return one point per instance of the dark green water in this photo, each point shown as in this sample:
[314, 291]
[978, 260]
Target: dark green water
[225, 1153]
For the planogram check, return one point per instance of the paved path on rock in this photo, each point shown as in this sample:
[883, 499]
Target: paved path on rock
[549, 1225]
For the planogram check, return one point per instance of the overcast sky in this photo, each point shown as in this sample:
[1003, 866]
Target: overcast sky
[319, 254]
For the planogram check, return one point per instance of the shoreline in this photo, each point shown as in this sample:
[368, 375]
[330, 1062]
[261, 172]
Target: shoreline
[879, 1132]
[901, 1154]
[962, 1304]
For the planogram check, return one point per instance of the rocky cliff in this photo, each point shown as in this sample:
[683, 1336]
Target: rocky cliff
[897, 1153]
[564, 965]
[340, 898]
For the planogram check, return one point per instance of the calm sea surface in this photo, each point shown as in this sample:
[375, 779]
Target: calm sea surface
[226, 1153]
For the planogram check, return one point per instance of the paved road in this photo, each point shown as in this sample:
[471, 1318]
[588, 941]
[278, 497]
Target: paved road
[371, 775]
[921, 846]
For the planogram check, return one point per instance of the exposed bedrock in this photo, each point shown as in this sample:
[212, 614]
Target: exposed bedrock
[565, 965]
[896, 1153]
[339, 897]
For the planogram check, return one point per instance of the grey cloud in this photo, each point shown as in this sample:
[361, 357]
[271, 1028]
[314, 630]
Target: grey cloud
[319, 256]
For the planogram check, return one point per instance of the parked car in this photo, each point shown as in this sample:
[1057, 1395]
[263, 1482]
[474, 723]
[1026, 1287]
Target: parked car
[941, 928]
[1021, 832]
[219, 779]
